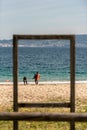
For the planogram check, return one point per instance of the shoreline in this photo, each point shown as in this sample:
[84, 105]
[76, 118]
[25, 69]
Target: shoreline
[45, 82]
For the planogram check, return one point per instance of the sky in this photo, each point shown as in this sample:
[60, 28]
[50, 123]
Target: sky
[42, 17]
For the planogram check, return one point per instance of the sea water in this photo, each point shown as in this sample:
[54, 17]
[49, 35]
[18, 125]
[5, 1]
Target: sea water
[51, 58]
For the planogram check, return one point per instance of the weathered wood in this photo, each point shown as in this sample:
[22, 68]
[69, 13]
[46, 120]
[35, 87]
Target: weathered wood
[58, 37]
[22, 116]
[72, 79]
[15, 74]
[67, 105]
[15, 79]
[72, 74]
[72, 68]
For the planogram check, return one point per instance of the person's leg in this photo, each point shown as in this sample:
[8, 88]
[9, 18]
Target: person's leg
[37, 82]
[26, 81]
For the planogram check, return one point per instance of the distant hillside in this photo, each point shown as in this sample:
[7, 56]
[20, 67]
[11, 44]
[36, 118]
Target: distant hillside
[6, 41]
[81, 41]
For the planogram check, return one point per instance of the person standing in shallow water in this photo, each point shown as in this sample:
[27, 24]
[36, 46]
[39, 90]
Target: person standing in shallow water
[25, 80]
[37, 77]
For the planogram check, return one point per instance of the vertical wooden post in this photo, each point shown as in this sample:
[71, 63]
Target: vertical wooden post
[72, 79]
[15, 80]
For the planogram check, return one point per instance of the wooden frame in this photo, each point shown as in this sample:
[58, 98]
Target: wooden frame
[26, 116]
[72, 73]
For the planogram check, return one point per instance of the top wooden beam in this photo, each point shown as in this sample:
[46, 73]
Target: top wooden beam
[68, 37]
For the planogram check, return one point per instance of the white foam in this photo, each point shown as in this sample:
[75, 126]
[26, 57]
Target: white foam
[46, 82]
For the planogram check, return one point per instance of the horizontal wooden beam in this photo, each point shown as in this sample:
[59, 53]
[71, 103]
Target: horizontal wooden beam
[44, 36]
[44, 105]
[22, 116]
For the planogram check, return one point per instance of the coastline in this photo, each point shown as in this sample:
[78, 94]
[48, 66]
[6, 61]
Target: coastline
[46, 82]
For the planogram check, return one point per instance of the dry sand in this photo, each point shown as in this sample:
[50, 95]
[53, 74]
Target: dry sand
[41, 93]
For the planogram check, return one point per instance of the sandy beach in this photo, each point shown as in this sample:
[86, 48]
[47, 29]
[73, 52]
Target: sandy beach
[41, 93]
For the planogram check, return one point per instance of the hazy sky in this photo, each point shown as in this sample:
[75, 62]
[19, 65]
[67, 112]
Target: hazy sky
[42, 17]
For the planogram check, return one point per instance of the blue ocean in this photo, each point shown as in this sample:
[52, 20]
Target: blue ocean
[51, 58]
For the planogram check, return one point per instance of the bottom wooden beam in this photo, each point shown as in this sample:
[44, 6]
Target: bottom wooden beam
[14, 116]
[54, 104]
